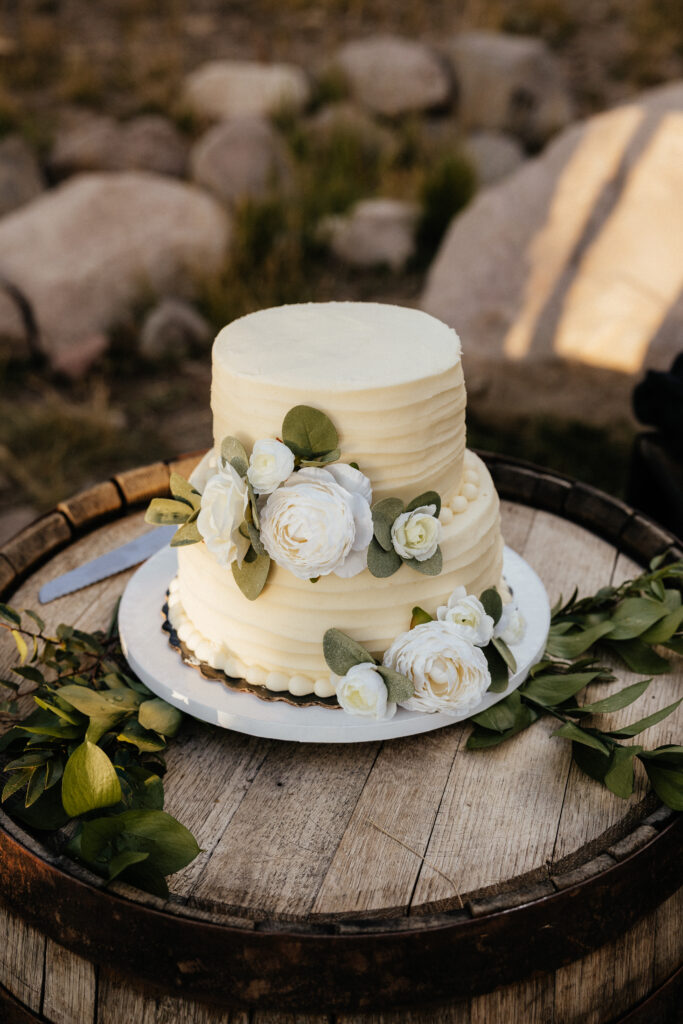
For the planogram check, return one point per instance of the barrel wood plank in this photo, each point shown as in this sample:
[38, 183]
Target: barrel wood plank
[287, 831]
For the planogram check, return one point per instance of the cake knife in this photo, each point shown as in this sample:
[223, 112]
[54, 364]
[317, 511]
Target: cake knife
[135, 551]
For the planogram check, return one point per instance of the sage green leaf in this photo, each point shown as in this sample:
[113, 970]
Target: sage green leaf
[498, 670]
[89, 781]
[382, 563]
[188, 533]
[428, 498]
[430, 567]
[10, 614]
[635, 615]
[399, 687]
[159, 716]
[501, 716]
[419, 617]
[341, 652]
[145, 741]
[184, 491]
[617, 701]
[251, 577]
[255, 538]
[253, 506]
[309, 432]
[96, 835]
[640, 657]
[21, 645]
[574, 644]
[167, 512]
[323, 460]
[234, 453]
[505, 653]
[171, 845]
[124, 860]
[482, 739]
[493, 604]
[667, 783]
[645, 723]
[384, 514]
[670, 754]
[45, 723]
[40, 623]
[619, 775]
[554, 688]
[572, 732]
[31, 760]
[665, 628]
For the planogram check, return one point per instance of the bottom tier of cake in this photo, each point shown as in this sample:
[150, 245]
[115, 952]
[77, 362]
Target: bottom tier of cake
[276, 641]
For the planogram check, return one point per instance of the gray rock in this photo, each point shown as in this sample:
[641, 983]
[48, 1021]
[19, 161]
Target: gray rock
[96, 142]
[394, 76]
[105, 242]
[20, 176]
[345, 118]
[495, 155]
[509, 83]
[172, 330]
[577, 256]
[377, 232]
[240, 158]
[223, 89]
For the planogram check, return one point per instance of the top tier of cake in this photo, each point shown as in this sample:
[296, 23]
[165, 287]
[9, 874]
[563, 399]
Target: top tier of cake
[389, 378]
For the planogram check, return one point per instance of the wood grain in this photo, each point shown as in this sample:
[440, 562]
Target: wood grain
[22, 956]
[69, 988]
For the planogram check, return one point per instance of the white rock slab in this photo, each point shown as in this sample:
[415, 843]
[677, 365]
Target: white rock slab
[223, 89]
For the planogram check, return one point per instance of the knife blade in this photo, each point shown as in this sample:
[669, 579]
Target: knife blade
[135, 551]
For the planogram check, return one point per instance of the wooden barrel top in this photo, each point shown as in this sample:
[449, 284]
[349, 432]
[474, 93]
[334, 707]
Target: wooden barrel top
[366, 865]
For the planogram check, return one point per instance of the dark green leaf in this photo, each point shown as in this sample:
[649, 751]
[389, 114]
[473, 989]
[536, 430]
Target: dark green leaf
[592, 762]
[323, 460]
[639, 657]
[430, 566]
[188, 533]
[505, 653]
[501, 716]
[159, 716]
[384, 514]
[124, 860]
[40, 623]
[645, 723]
[569, 731]
[574, 644]
[428, 498]
[98, 725]
[251, 577]
[234, 453]
[341, 652]
[619, 775]
[634, 615]
[382, 563]
[493, 604]
[481, 739]
[89, 782]
[419, 617]
[552, 689]
[670, 754]
[16, 782]
[47, 813]
[309, 432]
[145, 741]
[665, 628]
[36, 785]
[498, 670]
[619, 700]
[31, 673]
[399, 687]
[146, 877]
[171, 845]
[10, 614]
[167, 511]
[667, 782]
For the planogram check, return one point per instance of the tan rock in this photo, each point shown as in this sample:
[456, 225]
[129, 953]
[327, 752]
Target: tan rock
[376, 232]
[223, 89]
[241, 158]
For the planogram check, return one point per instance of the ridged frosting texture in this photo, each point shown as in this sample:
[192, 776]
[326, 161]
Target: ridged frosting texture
[389, 378]
[282, 630]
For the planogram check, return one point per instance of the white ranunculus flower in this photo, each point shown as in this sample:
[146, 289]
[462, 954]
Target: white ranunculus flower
[468, 615]
[224, 502]
[351, 479]
[313, 526]
[416, 534]
[511, 626]
[204, 470]
[448, 672]
[362, 691]
[270, 463]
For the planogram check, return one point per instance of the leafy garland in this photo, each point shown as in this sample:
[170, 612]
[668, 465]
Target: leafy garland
[87, 764]
[93, 744]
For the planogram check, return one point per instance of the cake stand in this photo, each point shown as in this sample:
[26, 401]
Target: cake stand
[162, 669]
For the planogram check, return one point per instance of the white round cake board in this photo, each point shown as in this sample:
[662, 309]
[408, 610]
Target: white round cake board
[161, 668]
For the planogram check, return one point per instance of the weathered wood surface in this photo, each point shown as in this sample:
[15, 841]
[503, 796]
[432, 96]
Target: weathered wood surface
[380, 830]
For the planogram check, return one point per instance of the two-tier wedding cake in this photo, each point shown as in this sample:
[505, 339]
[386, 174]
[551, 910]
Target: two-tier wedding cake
[338, 500]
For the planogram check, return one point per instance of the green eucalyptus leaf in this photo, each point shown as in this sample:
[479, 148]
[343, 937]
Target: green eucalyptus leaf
[253, 505]
[309, 432]
[36, 785]
[639, 657]
[420, 617]
[105, 702]
[40, 623]
[171, 845]
[341, 652]
[188, 533]
[384, 514]
[493, 604]
[159, 716]
[10, 615]
[323, 460]
[251, 577]
[144, 876]
[399, 687]
[89, 781]
[167, 512]
[430, 567]
[572, 645]
[184, 491]
[669, 753]
[570, 731]
[382, 563]
[123, 860]
[554, 688]
[498, 670]
[505, 653]
[255, 538]
[428, 498]
[31, 673]
[16, 781]
[593, 762]
[617, 701]
[234, 453]
[645, 723]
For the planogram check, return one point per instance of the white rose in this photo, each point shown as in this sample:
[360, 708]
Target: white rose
[468, 615]
[204, 470]
[416, 534]
[362, 691]
[224, 502]
[270, 463]
[448, 672]
[511, 626]
[313, 526]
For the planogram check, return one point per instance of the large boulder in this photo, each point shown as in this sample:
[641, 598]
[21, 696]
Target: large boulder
[99, 143]
[20, 176]
[394, 76]
[509, 83]
[86, 253]
[223, 89]
[375, 233]
[239, 159]
[578, 257]
[494, 155]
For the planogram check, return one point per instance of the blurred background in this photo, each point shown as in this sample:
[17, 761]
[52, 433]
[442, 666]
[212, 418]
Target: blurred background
[514, 167]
